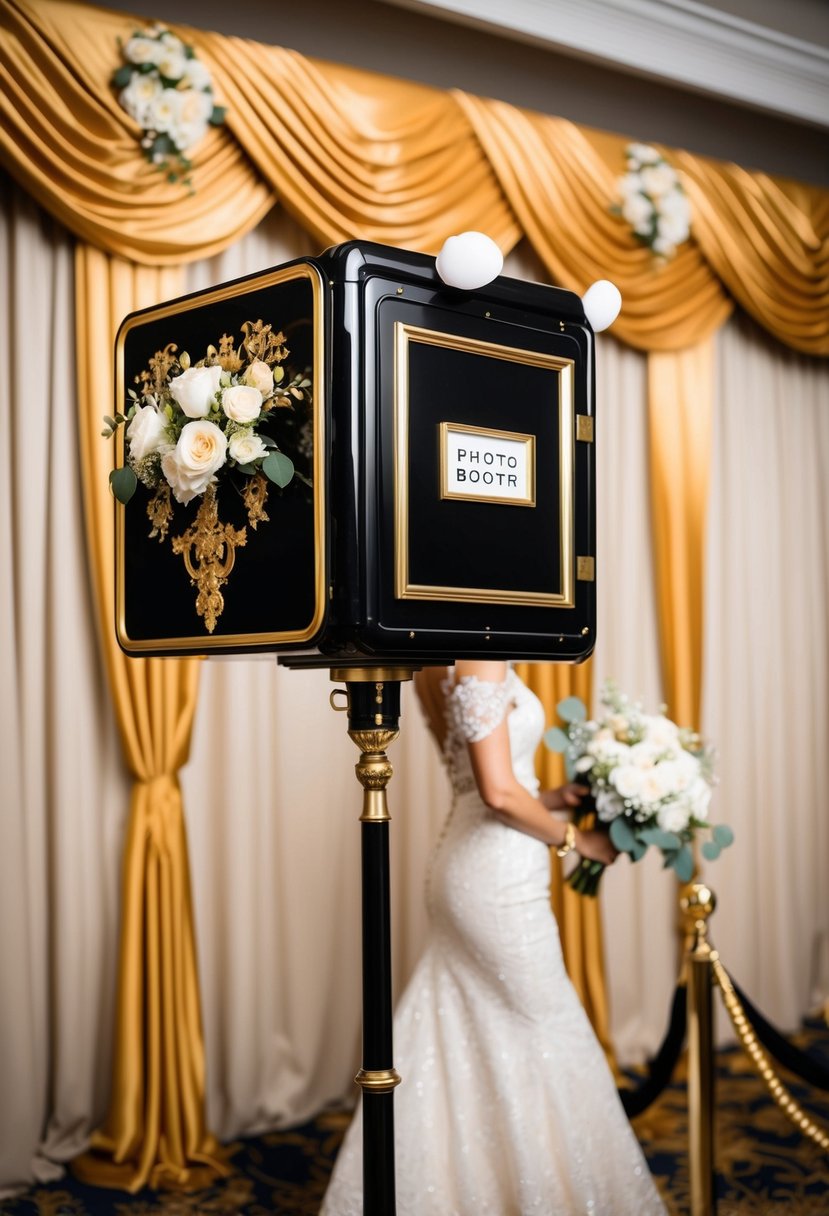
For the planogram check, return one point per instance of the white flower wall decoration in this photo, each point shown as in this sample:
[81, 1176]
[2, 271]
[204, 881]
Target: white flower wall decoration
[653, 201]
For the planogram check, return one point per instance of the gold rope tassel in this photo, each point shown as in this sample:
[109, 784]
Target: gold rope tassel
[790, 1107]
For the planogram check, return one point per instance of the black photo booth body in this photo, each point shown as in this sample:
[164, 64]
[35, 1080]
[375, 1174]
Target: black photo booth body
[446, 503]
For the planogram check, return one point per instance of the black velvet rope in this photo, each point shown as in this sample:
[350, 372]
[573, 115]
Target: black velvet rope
[661, 1067]
[803, 1065]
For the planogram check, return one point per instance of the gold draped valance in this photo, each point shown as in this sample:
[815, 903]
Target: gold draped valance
[350, 153]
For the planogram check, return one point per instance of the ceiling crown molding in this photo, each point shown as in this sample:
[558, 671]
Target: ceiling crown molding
[680, 41]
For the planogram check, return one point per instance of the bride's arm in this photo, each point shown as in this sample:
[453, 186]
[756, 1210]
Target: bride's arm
[506, 796]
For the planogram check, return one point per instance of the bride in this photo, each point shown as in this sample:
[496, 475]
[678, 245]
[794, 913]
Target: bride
[507, 1105]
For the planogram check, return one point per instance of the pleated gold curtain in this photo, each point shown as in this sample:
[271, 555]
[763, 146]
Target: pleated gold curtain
[155, 1129]
[352, 154]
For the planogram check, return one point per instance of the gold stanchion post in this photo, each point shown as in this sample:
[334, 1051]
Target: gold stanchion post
[697, 907]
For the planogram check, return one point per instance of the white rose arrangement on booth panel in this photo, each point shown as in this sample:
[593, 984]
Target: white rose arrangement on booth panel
[653, 201]
[190, 428]
[169, 93]
[650, 781]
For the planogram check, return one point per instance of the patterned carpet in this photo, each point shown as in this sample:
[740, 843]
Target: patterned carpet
[764, 1167]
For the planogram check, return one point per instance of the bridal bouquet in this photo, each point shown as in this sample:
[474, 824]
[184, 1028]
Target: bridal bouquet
[650, 782]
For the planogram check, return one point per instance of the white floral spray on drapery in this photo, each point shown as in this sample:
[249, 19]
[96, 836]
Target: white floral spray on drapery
[653, 201]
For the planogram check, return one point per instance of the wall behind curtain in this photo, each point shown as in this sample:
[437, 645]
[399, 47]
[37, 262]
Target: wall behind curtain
[64, 793]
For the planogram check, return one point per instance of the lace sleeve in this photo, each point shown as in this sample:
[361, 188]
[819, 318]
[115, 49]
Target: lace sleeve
[476, 707]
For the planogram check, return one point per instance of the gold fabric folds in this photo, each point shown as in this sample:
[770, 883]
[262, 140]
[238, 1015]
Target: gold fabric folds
[155, 1130]
[680, 413]
[353, 154]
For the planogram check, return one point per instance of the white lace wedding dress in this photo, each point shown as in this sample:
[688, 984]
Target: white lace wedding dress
[507, 1105]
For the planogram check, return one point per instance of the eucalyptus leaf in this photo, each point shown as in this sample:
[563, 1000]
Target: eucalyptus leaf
[684, 864]
[122, 77]
[248, 469]
[572, 709]
[278, 468]
[569, 767]
[723, 835]
[217, 116]
[123, 482]
[663, 840]
[710, 850]
[621, 834]
[556, 739]
[639, 850]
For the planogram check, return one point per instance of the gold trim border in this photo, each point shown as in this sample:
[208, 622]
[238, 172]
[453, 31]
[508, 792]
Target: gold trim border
[404, 589]
[202, 643]
[461, 428]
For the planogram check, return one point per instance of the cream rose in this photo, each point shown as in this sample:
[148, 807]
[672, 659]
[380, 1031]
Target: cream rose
[189, 468]
[260, 376]
[142, 50]
[172, 63]
[246, 446]
[673, 817]
[163, 111]
[242, 403]
[196, 75]
[627, 780]
[195, 389]
[138, 97]
[146, 432]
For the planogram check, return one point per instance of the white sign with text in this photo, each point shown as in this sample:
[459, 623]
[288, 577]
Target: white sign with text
[489, 466]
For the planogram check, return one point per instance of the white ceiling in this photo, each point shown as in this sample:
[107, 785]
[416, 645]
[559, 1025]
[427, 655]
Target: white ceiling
[735, 51]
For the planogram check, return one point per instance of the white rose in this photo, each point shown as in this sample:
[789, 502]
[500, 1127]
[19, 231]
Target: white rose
[661, 734]
[189, 468]
[699, 797]
[673, 817]
[143, 50]
[164, 110]
[260, 376]
[242, 402]
[609, 751]
[671, 228]
[172, 62]
[196, 75]
[627, 780]
[195, 389]
[657, 180]
[190, 124]
[637, 211]
[641, 154]
[642, 755]
[246, 446]
[138, 97]
[654, 785]
[608, 805]
[146, 432]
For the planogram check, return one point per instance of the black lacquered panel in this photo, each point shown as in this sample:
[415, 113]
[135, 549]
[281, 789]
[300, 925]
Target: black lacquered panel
[274, 590]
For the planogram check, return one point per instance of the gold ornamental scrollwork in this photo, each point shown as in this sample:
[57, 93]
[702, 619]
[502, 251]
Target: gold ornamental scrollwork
[209, 551]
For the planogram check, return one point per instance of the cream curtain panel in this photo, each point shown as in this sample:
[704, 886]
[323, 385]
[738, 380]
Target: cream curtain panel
[280, 987]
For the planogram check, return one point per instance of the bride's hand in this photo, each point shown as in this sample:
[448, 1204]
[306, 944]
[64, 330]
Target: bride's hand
[596, 846]
[565, 797]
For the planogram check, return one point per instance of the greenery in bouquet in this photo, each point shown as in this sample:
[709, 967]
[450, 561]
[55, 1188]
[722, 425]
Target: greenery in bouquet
[650, 782]
[192, 428]
[168, 91]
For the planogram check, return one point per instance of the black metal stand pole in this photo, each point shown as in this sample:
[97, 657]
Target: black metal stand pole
[373, 708]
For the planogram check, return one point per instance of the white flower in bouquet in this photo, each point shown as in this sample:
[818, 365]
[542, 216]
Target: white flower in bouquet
[196, 76]
[201, 450]
[140, 50]
[172, 61]
[163, 110]
[147, 432]
[139, 97]
[627, 781]
[673, 816]
[192, 116]
[242, 403]
[245, 446]
[260, 376]
[194, 391]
